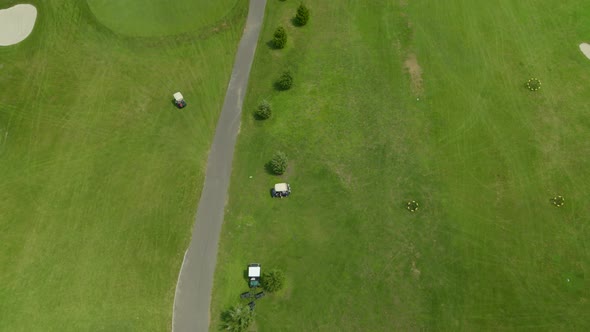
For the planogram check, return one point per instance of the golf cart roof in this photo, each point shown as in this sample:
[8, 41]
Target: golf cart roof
[281, 187]
[253, 271]
[178, 96]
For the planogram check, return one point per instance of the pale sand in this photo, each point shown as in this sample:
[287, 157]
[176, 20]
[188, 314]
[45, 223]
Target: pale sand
[16, 23]
[585, 48]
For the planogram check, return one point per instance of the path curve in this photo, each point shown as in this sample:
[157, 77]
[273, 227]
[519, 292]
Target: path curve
[195, 281]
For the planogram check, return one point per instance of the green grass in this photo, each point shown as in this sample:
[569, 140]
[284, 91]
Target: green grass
[100, 174]
[481, 154]
[159, 18]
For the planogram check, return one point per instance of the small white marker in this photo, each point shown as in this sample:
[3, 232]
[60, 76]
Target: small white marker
[250, 176]
[568, 279]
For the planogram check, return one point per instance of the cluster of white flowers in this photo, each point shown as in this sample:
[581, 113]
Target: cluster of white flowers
[558, 201]
[412, 206]
[533, 84]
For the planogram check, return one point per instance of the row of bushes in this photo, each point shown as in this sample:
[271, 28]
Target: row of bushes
[279, 41]
[279, 162]
[240, 316]
[264, 110]
[301, 18]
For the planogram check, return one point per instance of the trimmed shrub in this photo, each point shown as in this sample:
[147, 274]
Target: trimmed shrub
[273, 281]
[285, 82]
[279, 38]
[278, 163]
[263, 111]
[302, 15]
[238, 318]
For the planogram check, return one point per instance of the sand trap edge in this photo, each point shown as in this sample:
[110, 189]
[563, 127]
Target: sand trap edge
[585, 48]
[16, 23]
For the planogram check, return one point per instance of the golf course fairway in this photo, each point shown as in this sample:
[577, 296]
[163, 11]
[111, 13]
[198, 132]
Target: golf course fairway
[161, 18]
[100, 173]
[395, 101]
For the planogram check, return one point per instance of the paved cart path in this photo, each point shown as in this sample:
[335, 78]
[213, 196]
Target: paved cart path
[195, 282]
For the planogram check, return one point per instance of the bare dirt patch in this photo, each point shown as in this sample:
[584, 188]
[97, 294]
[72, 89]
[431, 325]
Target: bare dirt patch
[415, 71]
[415, 272]
[344, 176]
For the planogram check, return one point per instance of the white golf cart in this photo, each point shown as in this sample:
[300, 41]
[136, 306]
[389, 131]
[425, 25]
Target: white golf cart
[281, 190]
[254, 275]
[179, 100]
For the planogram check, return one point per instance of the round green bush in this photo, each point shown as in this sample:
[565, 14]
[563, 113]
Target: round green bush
[273, 281]
[533, 84]
[264, 110]
[279, 38]
[285, 82]
[278, 163]
[302, 15]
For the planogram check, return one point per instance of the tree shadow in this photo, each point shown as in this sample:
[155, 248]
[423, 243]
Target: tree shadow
[271, 44]
[277, 86]
[225, 319]
[268, 169]
[295, 22]
[258, 117]
[225, 316]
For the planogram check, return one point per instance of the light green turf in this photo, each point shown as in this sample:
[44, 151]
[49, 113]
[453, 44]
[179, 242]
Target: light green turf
[159, 17]
[482, 155]
[100, 175]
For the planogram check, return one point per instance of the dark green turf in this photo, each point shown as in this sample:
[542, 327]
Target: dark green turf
[480, 153]
[100, 173]
[160, 18]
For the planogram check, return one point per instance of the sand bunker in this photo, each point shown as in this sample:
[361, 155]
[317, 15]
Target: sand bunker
[585, 48]
[16, 23]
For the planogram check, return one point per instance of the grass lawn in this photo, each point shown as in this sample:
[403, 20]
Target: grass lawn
[160, 18]
[100, 174]
[479, 152]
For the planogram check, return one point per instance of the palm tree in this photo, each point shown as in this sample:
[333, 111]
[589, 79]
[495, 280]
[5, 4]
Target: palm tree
[237, 318]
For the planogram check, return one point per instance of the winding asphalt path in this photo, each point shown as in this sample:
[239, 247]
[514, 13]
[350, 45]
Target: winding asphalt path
[195, 282]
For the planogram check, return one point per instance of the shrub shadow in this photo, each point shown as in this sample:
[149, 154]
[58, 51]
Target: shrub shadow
[258, 117]
[272, 45]
[277, 86]
[225, 318]
[268, 169]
